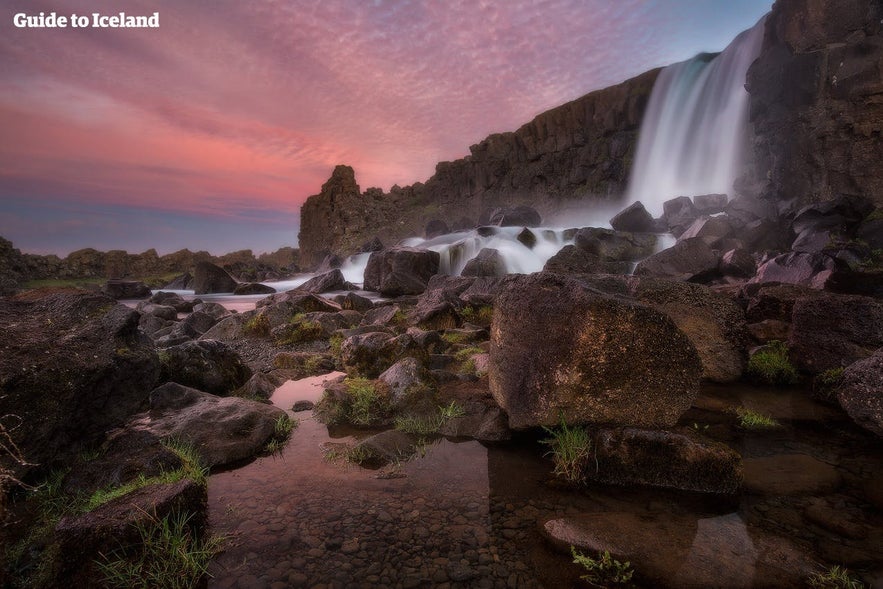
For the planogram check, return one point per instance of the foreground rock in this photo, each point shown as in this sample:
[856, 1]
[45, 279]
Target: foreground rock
[560, 350]
[74, 365]
[699, 552]
[861, 393]
[400, 270]
[221, 429]
[690, 259]
[675, 460]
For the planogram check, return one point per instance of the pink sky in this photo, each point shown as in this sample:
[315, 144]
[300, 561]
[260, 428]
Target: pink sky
[210, 131]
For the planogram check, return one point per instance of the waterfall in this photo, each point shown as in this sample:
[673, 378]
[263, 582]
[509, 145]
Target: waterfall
[694, 130]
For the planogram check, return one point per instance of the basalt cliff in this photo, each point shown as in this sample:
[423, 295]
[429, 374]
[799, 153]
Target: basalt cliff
[816, 117]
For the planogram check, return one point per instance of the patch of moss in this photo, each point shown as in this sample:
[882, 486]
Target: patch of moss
[257, 326]
[771, 365]
[300, 330]
[479, 315]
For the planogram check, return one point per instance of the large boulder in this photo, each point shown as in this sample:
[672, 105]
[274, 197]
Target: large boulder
[126, 289]
[400, 270]
[370, 354]
[560, 350]
[253, 288]
[207, 365]
[833, 331]
[209, 278]
[74, 365]
[678, 213]
[690, 259]
[572, 259]
[615, 246]
[222, 430]
[861, 392]
[814, 270]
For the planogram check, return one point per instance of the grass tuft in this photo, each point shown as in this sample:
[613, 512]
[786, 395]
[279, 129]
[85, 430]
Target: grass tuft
[257, 326]
[770, 365]
[570, 448]
[836, 577]
[604, 571]
[753, 420]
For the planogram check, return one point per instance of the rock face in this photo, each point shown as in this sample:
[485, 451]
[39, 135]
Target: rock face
[815, 102]
[209, 278]
[221, 429]
[400, 270]
[208, 365]
[861, 393]
[562, 350]
[74, 365]
[580, 150]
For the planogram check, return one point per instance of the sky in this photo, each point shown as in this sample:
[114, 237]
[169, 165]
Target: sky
[210, 131]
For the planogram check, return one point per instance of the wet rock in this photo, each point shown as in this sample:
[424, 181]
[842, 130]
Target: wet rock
[153, 325]
[125, 289]
[208, 365]
[259, 386]
[302, 406]
[214, 310]
[773, 300]
[746, 209]
[527, 238]
[400, 270]
[861, 393]
[429, 341]
[435, 228]
[709, 204]
[228, 329]
[574, 260]
[762, 234]
[634, 218]
[74, 365]
[561, 350]
[679, 213]
[690, 259]
[813, 270]
[298, 302]
[770, 330]
[676, 460]
[488, 262]
[181, 282]
[332, 280]
[833, 331]
[514, 216]
[165, 312]
[221, 429]
[372, 245]
[789, 474]
[209, 278]
[615, 246]
[700, 552]
[253, 288]
[381, 315]
[711, 230]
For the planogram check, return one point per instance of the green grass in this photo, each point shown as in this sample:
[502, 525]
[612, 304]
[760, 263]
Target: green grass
[452, 337]
[335, 342]
[366, 405]
[282, 428]
[836, 577]
[257, 326]
[300, 330]
[419, 425]
[570, 448]
[170, 555]
[604, 571]
[452, 410]
[479, 315]
[749, 419]
[770, 365]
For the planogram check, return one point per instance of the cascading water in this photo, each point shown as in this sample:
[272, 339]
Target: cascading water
[694, 130]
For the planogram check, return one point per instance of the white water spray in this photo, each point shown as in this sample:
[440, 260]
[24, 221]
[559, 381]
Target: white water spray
[693, 134]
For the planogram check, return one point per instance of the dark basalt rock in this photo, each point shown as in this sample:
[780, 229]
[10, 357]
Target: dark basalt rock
[515, 216]
[615, 246]
[435, 228]
[711, 230]
[207, 365]
[332, 280]
[527, 238]
[209, 278]
[574, 260]
[634, 218]
[560, 350]
[679, 213]
[488, 262]
[253, 288]
[690, 259]
[400, 270]
[709, 204]
[813, 270]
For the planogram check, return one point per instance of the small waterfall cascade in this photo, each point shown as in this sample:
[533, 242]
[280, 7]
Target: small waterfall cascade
[694, 130]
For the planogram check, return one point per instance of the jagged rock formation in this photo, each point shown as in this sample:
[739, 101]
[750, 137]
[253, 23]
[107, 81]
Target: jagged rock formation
[582, 149]
[817, 102]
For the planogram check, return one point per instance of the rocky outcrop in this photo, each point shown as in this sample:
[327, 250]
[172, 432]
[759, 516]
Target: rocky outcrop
[816, 102]
[580, 150]
[207, 365]
[210, 278]
[400, 270]
[560, 350]
[74, 365]
[861, 393]
[13, 268]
